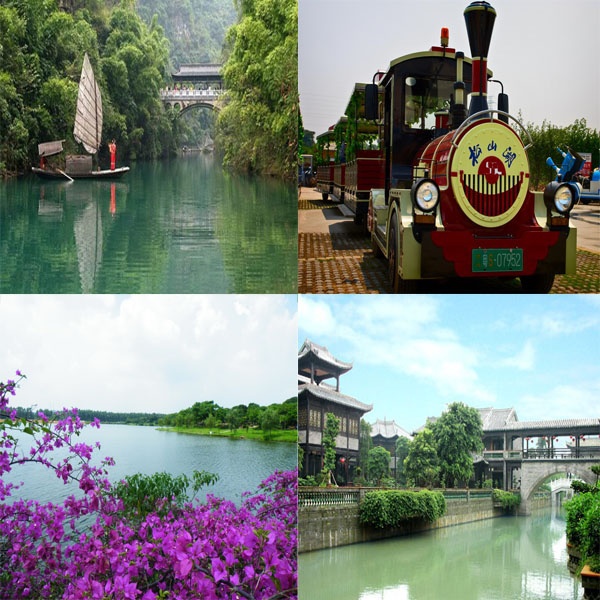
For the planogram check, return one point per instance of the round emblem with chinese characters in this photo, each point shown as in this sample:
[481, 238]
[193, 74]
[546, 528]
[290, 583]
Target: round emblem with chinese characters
[490, 173]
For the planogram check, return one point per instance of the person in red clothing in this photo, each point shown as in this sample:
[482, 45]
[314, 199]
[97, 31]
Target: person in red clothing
[112, 148]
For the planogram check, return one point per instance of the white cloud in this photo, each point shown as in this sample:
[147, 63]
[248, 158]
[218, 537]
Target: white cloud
[567, 401]
[402, 334]
[524, 360]
[149, 353]
[316, 317]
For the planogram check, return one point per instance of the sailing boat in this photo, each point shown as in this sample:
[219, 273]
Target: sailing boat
[87, 131]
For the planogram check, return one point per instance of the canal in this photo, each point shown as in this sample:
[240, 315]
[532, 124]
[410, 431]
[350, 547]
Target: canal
[179, 226]
[511, 558]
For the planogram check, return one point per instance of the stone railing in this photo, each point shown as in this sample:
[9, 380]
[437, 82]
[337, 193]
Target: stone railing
[328, 497]
[311, 496]
[184, 94]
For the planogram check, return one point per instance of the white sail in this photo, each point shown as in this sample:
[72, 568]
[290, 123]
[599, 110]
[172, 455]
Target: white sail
[88, 118]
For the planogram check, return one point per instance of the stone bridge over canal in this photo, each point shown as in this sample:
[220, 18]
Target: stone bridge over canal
[534, 472]
[522, 454]
[194, 86]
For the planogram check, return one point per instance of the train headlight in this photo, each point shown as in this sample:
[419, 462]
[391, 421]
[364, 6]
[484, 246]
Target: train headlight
[425, 195]
[560, 197]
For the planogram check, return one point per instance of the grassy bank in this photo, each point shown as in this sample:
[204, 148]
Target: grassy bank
[279, 435]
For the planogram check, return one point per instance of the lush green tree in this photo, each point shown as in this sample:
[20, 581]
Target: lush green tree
[402, 450]
[378, 464]
[365, 445]
[269, 421]
[458, 434]
[235, 418]
[258, 126]
[254, 413]
[330, 433]
[288, 413]
[421, 464]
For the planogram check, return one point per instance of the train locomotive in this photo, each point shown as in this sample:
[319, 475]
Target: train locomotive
[453, 198]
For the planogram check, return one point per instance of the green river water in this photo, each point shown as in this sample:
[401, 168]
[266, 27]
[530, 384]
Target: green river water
[511, 558]
[179, 226]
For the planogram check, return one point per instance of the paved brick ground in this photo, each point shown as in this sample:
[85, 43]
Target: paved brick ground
[344, 263]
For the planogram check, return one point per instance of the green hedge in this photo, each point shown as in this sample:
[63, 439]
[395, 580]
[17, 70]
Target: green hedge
[583, 527]
[508, 500]
[389, 508]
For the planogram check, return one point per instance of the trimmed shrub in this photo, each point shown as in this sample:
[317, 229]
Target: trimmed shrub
[389, 508]
[508, 500]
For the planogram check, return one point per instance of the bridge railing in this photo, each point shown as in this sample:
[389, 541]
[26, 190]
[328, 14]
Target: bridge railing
[539, 453]
[190, 94]
[560, 453]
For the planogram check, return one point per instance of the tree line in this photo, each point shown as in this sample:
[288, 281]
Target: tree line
[547, 137]
[105, 417]
[209, 414]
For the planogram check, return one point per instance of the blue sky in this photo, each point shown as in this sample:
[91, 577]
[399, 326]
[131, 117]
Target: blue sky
[413, 355]
[155, 353]
[537, 47]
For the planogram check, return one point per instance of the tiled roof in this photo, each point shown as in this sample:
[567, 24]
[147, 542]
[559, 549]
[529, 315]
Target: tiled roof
[388, 429]
[496, 418]
[552, 424]
[326, 392]
[323, 354]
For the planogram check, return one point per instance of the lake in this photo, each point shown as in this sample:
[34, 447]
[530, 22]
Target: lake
[179, 226]
[240, 464]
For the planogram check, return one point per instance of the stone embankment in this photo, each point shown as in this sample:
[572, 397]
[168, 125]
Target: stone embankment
[330, 518]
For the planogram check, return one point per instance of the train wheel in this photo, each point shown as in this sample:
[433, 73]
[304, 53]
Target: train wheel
[537, 284]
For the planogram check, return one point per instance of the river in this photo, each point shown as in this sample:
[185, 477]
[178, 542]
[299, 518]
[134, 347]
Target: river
[520, 558]
[179, 226]
[240, 464]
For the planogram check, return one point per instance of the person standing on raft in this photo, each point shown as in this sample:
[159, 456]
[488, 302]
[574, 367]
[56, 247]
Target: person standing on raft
[112, 148]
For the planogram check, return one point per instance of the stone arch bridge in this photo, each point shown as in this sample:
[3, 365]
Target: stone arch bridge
[534, 472]
[522, 454]
[194, 86]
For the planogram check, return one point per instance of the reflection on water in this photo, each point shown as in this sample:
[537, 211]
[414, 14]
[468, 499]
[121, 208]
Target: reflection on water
[521, 558]
[180, 226]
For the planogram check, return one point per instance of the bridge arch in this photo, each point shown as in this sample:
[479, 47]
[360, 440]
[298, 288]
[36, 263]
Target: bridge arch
[534, 472]
[195, 105]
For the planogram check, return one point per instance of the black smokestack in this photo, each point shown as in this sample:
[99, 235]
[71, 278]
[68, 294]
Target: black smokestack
[479, 17]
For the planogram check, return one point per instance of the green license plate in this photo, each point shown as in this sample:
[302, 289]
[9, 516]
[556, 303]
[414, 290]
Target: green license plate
[493, 260]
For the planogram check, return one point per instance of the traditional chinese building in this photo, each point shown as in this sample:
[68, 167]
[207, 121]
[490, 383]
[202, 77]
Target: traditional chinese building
[316, 399]
[385, 434]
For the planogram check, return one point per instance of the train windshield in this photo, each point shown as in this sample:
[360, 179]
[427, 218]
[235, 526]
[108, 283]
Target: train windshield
[423, 98]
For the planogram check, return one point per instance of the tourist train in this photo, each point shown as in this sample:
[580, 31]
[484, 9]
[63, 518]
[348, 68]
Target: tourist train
[444, 189]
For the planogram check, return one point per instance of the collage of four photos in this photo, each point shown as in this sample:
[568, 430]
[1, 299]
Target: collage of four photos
[299, 299]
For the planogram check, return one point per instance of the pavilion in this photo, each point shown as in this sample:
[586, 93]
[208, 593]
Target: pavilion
[315, 400]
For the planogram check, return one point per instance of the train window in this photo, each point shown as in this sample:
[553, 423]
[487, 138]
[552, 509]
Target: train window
[422, 98]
